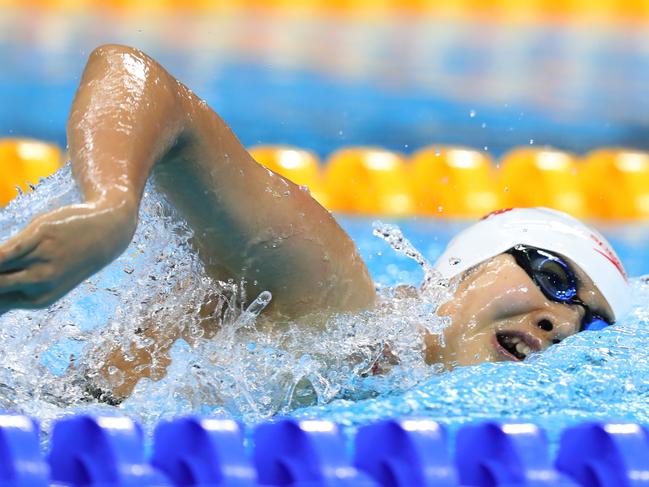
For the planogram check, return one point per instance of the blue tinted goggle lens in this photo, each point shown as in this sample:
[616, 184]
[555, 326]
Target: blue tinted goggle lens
[595, 324]
[550, 273]
[555, 279]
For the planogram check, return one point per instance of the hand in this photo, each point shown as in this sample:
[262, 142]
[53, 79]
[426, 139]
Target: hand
[58, 250]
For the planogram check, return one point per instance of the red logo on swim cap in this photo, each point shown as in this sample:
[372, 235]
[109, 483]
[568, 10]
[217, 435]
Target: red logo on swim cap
[608, 253]
[496, 212]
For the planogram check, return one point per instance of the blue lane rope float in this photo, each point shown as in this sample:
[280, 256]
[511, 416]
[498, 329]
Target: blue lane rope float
[506, 454]
[605, 454]
[21, 462]
[405, 452]
[87, 451]
[193, 451]
[305, 453]
[101, 451]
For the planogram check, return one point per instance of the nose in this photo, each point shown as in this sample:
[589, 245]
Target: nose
[558, 321]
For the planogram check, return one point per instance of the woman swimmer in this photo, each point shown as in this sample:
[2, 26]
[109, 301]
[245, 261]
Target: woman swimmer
[527, 278]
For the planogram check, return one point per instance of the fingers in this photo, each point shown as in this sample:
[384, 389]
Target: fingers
[16, 249]
[29, 288]
[13, 281]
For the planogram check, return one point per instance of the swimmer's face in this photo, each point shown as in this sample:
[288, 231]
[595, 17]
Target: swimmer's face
[498, 313]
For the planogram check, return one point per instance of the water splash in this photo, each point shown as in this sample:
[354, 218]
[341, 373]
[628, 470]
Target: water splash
[316, 365]
[51, 360]
[591, 376]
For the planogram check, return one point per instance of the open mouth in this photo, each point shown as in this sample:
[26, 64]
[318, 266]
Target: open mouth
[516, 345]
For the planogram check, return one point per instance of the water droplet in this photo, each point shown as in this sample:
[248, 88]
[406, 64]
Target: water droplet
[506, 189]
[472, 113]
[531, 141]
[260, 303]
[483, 125]
[486, 147]
[115, 376]
[440, 208]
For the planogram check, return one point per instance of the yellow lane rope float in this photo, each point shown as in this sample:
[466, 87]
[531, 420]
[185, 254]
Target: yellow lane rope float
[530, 177]
[602, 11]
[24, 162]
[438, 181]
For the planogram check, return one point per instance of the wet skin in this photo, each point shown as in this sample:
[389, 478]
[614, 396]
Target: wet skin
[131, 120]
[498, 306]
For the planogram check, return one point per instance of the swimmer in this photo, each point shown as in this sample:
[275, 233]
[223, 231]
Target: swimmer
[525, 278]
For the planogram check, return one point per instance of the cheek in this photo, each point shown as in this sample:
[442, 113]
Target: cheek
[469, 345]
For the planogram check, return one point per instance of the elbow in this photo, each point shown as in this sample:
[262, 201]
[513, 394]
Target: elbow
[123, 61]
[117, 68]
[114, 51]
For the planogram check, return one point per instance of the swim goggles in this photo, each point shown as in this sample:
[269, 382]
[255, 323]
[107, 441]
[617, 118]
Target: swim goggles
[556, 280]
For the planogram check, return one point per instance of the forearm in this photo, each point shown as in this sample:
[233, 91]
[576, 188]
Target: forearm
[130, 117]
[124, 117]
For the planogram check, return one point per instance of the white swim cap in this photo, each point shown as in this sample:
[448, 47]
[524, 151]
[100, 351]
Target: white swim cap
[545, 229]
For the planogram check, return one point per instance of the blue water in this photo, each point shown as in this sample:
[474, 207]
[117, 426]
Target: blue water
[43, 354]
[593, 375]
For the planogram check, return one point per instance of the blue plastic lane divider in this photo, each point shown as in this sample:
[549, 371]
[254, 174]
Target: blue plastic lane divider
[101, 452]
[303, 453]
[90, 451]
[405, 453]
[201, 452]
[505, 454]
[605, 455]
[21, 462]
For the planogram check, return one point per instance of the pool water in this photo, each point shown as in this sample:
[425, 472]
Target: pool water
[491, 87]
[46, 356]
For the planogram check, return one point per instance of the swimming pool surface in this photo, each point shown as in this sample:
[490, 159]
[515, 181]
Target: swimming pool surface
[593, 375]
[269, 98]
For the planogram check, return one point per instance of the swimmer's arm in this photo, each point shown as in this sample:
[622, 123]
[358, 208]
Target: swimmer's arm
[129, 119]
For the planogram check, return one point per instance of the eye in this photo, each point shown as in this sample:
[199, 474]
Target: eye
[554, 277]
